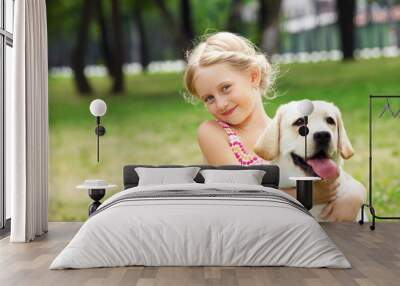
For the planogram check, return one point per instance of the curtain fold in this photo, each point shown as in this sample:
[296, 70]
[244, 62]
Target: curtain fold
[28, 123]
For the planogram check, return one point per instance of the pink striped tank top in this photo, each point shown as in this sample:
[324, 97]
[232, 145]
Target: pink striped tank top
[243, 157]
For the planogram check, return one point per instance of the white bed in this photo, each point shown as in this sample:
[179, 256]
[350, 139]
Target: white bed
[201, 224]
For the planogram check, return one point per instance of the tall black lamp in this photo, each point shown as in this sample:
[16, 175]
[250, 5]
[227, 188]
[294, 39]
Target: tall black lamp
[304, 185]
[98, 108]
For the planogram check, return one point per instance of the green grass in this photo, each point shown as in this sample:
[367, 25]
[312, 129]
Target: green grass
[151, 124]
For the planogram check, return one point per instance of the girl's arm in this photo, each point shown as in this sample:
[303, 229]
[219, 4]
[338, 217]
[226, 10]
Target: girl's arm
[214, 144]
[215, 148]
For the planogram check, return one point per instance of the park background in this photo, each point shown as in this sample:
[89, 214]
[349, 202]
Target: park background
[131, 55]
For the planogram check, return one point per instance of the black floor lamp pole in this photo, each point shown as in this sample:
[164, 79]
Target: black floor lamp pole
[100, 131]
[305, 137]
[98, 108]
[98, 147]
[98, 140]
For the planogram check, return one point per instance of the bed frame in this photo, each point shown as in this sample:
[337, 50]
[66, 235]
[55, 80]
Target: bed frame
[270, 179]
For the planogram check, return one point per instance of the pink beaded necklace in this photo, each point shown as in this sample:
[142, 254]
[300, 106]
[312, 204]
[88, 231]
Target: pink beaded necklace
[243, 157]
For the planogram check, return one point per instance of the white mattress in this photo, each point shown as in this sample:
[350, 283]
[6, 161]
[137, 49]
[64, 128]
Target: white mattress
[189, 230]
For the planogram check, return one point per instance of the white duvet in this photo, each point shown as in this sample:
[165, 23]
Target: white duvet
[183, 231]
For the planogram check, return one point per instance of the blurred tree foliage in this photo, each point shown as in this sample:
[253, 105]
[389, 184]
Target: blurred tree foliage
[89, 30]
[114, 32]
[62, 17]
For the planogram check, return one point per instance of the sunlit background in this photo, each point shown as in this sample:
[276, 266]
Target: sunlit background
[131, 54]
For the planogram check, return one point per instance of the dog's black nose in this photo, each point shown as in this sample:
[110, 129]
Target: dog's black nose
[322, 138]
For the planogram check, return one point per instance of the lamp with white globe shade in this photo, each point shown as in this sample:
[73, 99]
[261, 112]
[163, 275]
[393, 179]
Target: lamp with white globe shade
[304, 185]
[98, 108]
[305, 107]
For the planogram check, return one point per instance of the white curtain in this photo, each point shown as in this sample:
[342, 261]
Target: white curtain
[27, 123]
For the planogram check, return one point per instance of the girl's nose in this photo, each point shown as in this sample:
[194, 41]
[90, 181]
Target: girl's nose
[222, 104]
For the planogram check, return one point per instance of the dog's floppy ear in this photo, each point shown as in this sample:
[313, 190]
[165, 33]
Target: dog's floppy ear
[344, 145]
[267, 146]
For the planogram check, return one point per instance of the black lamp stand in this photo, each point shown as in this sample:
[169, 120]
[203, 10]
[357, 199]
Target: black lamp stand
[304, 188]
[100, 131]
[303, 131]
[96, 195]
[304, 193]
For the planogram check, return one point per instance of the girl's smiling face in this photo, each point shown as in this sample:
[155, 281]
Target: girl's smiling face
[230, 95]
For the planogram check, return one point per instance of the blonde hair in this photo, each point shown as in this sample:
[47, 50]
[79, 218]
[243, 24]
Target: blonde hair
[225, 47]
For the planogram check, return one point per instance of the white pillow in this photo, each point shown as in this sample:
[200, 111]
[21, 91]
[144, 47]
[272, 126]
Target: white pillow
[248, 177]
[162, 176]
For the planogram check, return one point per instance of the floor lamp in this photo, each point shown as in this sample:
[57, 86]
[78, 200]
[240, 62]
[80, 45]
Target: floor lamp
[98, 108]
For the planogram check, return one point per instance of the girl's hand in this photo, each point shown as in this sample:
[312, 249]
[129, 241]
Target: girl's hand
[325, 191]
[344, 208]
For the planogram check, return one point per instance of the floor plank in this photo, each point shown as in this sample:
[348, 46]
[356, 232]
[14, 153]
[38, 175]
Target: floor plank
[374, 255]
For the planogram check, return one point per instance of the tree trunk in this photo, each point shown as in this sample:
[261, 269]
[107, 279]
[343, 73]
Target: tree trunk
[234, 21]
[262, 20]
[78, 53]
[170, 21]
[186, 23]
[105, 44]
[345, 17]
[269, 25]
[118, 52]
[143, 48]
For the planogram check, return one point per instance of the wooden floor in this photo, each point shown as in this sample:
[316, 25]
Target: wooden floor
[374, 255]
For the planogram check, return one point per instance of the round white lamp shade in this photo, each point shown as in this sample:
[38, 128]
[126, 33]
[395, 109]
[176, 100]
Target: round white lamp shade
[305, 107]
[98, 107]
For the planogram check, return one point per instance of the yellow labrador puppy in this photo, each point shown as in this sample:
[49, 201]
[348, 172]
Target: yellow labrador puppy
[327, 146]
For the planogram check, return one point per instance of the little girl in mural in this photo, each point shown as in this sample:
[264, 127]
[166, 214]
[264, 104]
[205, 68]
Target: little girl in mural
[230, 76]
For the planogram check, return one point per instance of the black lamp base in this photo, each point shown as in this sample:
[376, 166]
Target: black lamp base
[304, 191]
[96, 195]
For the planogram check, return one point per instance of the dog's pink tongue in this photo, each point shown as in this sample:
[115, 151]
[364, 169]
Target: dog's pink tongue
[325, 168]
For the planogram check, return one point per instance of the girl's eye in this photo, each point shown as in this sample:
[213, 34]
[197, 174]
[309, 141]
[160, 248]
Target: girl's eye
[299, 122]
[330, 120]
[208, 98]
[225, 88]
